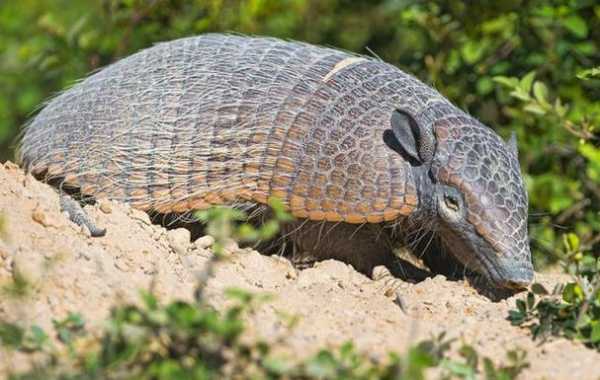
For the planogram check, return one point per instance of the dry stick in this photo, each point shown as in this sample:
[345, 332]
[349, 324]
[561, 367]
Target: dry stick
[589, 185]
[583, 134]
[569, 212]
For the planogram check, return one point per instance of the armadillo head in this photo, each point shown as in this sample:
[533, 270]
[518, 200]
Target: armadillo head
[474, 191]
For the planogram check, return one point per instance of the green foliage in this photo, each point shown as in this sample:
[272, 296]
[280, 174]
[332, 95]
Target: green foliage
[17, 287]
[589, 73]
[468, 367]
[15, 337]
[571, 310]
[68, 329]
[193, 341]
[223, 223]
[472, 52]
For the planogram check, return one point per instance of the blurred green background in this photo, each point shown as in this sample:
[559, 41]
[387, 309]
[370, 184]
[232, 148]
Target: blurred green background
[528, 66]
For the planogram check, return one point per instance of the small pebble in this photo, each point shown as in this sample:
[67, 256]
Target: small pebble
[41, 216]
[291, 275]
[204, 242]
[230, 246]
[3, 250]
[105, 206]
[179, 240]
[11, 165]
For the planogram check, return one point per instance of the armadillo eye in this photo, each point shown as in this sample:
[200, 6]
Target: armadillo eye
[451, 202]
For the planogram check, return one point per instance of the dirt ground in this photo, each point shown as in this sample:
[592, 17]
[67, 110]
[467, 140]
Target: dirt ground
[74, 272]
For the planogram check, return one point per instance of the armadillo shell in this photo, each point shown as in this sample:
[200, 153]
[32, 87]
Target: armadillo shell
[221, 119]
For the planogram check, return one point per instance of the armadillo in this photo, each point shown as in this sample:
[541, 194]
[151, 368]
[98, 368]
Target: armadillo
[342, 140]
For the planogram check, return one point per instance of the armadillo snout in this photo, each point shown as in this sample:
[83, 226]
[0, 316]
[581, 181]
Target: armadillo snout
[519, 278]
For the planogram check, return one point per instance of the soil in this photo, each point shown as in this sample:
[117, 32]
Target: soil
[73, 272]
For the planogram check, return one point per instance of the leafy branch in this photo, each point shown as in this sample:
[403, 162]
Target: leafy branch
[535, 96]
[571, 310]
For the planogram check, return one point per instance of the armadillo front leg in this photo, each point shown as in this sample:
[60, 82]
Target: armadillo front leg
[366, 247]
[78, 215]
[392, 286]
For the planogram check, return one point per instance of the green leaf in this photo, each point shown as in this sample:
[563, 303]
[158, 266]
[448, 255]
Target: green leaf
[277, 366]
[35, 339]
[11, 335]
[539, 289]
[484, 86]
[241, 295]
[530, 300]
[323, 365]
[462, 370]
[418, 361]
[521, 306]
[594, 72]
[279, 210]
[590, 152]
[571, 242]
[576, 25]
[520, 94]
[516, 317]
[535, 109]
[472, 51]
[559, 108]
[540, 91]
[526, 82]
[149, 299]
[573, 293]
[489, 369]
[510, 82]
[595, 334]
[470, 355]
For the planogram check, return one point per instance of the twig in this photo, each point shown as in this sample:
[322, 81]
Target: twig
[577, 207]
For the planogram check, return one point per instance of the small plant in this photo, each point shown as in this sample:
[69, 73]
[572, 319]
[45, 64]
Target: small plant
[536, 100]
[571, 310]
[17, 287]
[179, 340]
[184, 340]
[14, 337]
[588, 74]
[471, 365]
[225, 223]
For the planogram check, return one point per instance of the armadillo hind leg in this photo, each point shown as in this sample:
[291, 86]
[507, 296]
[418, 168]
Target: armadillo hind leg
[78, 216]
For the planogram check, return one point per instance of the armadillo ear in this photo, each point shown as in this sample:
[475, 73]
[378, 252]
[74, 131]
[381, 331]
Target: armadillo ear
[405, 132]
[511, 144]
[415, 142]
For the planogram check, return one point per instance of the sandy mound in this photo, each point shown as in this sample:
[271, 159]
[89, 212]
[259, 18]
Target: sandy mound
[73, 272]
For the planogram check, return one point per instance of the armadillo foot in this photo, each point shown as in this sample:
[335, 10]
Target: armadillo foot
[391, 285]
[78, 215]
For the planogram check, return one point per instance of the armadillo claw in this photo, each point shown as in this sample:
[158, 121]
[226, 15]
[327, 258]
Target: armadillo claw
[78, 216]
[391, 285]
